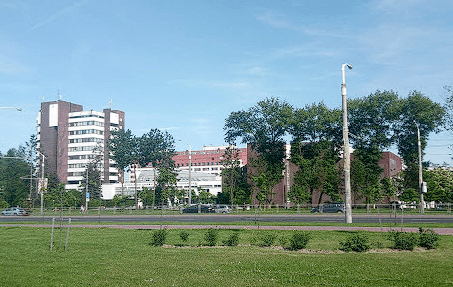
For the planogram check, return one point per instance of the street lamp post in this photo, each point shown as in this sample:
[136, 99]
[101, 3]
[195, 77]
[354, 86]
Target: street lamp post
[346, 153]
[42, 183]
[420, 170]
[190, 172]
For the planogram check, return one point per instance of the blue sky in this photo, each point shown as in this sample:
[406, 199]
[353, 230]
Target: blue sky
[184, 66]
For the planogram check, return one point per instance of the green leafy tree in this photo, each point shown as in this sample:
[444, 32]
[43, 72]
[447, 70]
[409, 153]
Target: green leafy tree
[205, 197]
[389, 188]
[371, 122]
[234, 179]
[147, 196]
[13, 189]
[92, 177]
[440, 185]
[264, 127]
[156, 149]
[413, 110]
[122, 148]
[317, 140]
[166, 185]
[318, 171]
[365, 175]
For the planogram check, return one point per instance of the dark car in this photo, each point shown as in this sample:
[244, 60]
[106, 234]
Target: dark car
[333, 207]
[194, 209]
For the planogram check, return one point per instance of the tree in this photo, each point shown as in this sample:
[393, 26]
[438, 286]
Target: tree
[59, 197]
[147, 196]
[92, 177]
[156, 149]
[315, 149]
[205, 197]
[166, 185]
[371, 124]
[365, 175]
[413, 110]
[122, 150]
[234, 179]
[440, 185]
[264, 127]
[13, 189]
[318, 171]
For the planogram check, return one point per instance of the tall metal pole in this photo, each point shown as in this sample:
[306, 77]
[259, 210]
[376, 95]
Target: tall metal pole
[346, 153]
[190, 171]
[420, 170]
[42, 183]
[86, 192]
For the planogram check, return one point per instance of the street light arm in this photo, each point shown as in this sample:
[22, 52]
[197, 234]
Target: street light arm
[19, 109]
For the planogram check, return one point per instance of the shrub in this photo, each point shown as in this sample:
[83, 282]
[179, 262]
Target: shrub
[404, 240]
[299, 240]
[184, 235]
[282, 240]
[268, 239]
[211, 236]
[428, 238]
[233, 240]
[356, 242]
[158, 238]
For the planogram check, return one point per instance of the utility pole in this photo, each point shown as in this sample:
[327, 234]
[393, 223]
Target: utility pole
[420, 170]
[42, 183]
[190, 170]
[346, 153]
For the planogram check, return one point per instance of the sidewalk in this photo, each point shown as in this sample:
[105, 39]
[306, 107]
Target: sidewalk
[442, 231]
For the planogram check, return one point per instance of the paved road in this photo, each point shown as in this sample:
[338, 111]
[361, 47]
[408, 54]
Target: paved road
[246, 219]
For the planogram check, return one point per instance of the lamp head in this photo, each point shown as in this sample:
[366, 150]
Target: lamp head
[349, 66]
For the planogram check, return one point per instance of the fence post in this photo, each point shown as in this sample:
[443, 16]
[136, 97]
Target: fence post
[298, 208]
[51, 236]
[67, 236]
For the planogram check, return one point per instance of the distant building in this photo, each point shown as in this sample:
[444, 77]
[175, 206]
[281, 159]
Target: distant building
[67, 136]
[205, 173]
[391, 164]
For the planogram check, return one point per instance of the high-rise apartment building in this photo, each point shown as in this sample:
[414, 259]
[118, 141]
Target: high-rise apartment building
[69, 137]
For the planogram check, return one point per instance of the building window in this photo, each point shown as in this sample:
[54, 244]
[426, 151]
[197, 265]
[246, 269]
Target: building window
[87, 123]
[84, 132]
[86, 140]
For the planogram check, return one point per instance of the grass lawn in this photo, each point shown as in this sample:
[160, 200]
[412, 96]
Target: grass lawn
[111, 257]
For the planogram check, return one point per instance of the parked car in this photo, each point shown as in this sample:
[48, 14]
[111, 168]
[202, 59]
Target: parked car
[194, 209]
[222, 209]
[333, 207]
[19, 211]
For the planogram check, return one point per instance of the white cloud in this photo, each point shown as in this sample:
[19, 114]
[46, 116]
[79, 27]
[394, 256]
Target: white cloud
[275, 20]
[8, 66]
[257, 71]
[58, 14]
[279, 21]
[14, 4]
[394, 6]
[234, 84]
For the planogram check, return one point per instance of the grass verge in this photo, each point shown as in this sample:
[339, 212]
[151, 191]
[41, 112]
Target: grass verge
[111, 257]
